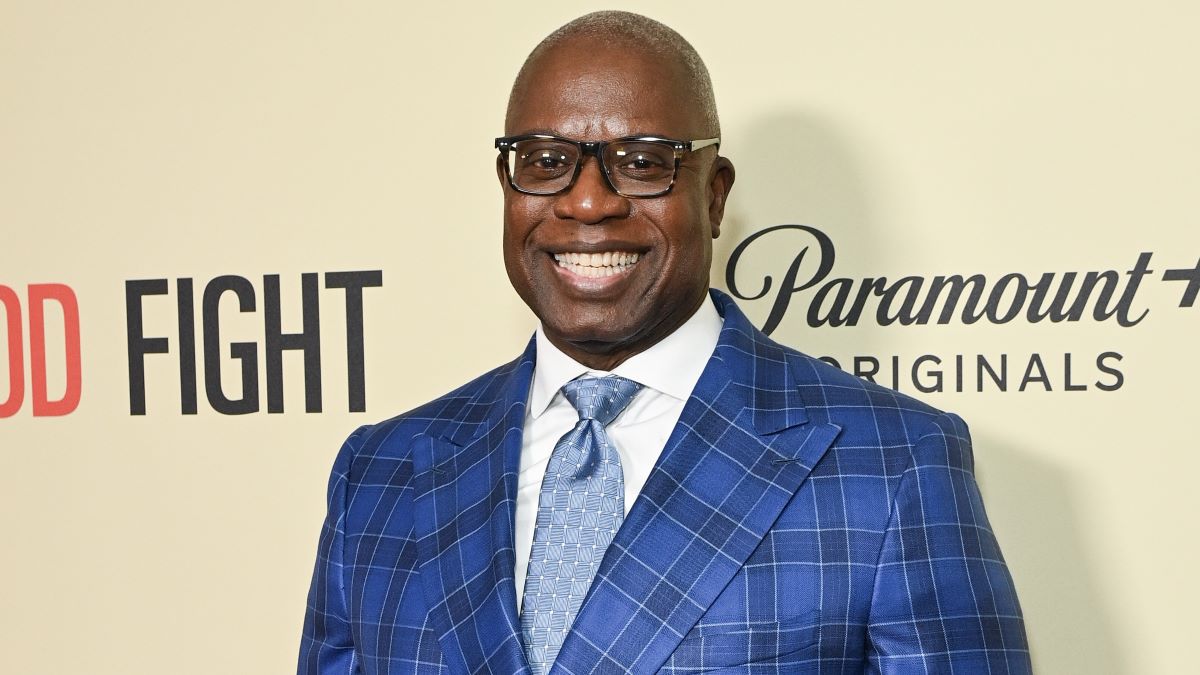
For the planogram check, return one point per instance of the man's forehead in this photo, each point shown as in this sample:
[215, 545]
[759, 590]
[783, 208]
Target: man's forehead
[600, 93]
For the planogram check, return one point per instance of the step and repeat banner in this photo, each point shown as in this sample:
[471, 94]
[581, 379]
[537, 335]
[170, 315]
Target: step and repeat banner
[234, 231]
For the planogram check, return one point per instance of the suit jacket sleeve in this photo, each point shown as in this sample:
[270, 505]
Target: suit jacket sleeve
[943, 599]
[327, 646]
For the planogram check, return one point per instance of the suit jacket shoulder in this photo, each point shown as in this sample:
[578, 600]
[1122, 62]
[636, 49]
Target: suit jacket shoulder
[458, 414]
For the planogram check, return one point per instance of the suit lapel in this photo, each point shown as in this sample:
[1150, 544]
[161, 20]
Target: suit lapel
[741, 449]
[464, 504]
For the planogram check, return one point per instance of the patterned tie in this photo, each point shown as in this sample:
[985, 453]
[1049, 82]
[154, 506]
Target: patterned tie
[581, 506]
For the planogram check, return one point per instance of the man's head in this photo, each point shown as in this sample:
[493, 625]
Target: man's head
[606, 76]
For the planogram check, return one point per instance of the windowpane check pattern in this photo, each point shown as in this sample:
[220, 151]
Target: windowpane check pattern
[580, 509]
[799, 521]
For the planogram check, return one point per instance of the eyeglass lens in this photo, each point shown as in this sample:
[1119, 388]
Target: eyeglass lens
[546, 166]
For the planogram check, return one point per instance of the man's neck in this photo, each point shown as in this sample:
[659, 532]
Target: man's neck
[672, 365]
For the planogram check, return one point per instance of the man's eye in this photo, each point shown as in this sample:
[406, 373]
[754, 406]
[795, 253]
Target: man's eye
[545, 160]
[642, 164]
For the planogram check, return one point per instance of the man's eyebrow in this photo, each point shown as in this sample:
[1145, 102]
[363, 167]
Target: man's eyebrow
[538, 130]
[552, 132]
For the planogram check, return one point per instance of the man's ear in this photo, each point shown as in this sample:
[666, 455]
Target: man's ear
[719, 186]
[500, 172]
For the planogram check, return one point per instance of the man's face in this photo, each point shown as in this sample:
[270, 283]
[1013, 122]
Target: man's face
[602, 316]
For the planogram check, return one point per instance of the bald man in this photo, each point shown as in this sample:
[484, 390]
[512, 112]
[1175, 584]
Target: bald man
[653, 485]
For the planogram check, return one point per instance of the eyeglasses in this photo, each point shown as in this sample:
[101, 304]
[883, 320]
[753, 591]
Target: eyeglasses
[637, 166]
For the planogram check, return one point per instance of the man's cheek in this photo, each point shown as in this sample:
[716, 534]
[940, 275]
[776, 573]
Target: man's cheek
[524, 209]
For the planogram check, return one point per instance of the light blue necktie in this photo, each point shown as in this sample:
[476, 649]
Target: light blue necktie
[580, 509]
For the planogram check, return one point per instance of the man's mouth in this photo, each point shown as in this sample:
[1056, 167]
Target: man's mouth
[603, 264]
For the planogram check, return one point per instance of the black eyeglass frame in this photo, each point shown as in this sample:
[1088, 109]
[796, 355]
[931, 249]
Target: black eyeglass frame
[596, 149]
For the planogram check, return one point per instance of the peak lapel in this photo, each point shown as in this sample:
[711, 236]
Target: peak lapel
[464, 506]
[741, 449]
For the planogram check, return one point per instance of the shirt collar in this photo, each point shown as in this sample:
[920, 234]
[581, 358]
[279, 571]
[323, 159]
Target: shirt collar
[672, 365]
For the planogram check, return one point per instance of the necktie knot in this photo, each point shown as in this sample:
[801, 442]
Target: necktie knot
[600, 398]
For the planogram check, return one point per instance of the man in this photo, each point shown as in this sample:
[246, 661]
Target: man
[654, 485]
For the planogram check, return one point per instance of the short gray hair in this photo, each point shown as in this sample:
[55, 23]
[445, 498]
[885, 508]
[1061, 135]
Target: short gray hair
[646, 33]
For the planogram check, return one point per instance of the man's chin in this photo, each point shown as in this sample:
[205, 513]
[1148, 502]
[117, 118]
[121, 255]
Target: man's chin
[599, 338]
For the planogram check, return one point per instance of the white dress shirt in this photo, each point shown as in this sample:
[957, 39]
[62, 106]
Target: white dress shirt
[667, 371]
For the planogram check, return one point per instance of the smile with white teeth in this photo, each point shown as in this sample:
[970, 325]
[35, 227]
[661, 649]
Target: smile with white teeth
[596, 264]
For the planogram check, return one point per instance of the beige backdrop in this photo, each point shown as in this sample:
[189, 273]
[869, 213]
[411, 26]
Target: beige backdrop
[168, 140]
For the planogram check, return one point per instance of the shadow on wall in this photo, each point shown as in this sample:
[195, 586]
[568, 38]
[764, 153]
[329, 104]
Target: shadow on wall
[1069, 621]
[795, 166]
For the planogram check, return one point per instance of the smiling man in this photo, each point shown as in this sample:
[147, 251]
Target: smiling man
[654, 485]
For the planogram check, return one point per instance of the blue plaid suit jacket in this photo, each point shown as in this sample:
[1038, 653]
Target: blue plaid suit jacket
[799, 520]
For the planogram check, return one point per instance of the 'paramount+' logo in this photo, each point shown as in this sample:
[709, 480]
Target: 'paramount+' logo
[824, 301]
[196, 349]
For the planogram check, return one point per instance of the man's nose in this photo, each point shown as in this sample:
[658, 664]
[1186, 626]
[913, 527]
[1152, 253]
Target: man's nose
[590, 200]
